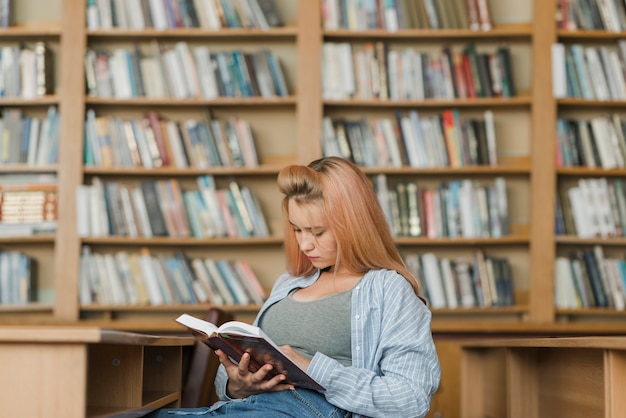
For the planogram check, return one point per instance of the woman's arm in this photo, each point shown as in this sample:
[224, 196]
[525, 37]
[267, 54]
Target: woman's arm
[395, 369]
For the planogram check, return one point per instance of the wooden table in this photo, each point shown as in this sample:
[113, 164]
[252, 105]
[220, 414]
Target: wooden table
[577, 377]
[68, 372]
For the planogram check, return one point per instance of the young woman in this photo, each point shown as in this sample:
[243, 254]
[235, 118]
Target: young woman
[346, 311]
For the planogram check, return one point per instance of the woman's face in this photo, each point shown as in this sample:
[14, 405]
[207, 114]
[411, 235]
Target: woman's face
[314, 237]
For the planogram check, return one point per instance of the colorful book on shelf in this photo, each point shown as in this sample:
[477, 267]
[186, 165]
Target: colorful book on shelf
[235, 338]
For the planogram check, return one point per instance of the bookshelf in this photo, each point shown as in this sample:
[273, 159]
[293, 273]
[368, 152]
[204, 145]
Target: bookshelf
[288, 130]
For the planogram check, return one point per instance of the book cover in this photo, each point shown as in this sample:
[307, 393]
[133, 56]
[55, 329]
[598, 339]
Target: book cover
[236, 338]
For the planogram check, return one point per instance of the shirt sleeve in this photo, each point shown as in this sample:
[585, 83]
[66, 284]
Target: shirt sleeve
[395, 369]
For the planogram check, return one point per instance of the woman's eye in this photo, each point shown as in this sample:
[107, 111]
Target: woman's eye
[319, 234]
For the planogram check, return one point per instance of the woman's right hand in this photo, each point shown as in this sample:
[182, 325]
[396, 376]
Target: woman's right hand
[242, 383]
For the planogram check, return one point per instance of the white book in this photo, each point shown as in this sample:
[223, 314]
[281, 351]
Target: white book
[432, 277]
[410, 142]
[126, 278]
[158, 14]
[206, 72]
[106, 14]
[142, 211]
[120, 75]
[83, 197]
[467, 203]
[176, 75]
[134, 15]
[33, 142]
[559, 78]
[151, 279]
[121, 19]
[117, 289]
[176, 145]
[203, 276]
[219, 282]
[190, 74]
[564, 290]
[599, 126]
[581, 221]
[491, 137]
[466, 287]
[212, 15]
[449, 283]
[127, 210]
[105, 291]
[596, 71]
[27, 74]
[392, 141]
[615, 282]
[599, 189]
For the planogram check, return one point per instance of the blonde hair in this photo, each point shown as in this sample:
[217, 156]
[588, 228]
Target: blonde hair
[349, 204]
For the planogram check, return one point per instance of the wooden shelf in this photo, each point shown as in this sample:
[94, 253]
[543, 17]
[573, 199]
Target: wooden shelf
[506, 166]
[32, 30]
[23, 168]
[589, 35]
[590, 172]
[35, 101]
[508, 31]
[579, 102]
[523, 99]
[263, 170]
[29, 239]
[222, 101]
[574, 240]
[424, 241]
[248, 35]
[182, 242]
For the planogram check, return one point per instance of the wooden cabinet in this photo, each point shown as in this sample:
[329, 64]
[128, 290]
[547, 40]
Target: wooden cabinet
[574, 377]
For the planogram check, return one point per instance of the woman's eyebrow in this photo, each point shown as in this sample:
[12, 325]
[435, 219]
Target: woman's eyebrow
[310, 228]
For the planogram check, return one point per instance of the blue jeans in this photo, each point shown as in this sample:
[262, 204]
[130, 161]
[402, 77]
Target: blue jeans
[298, 403]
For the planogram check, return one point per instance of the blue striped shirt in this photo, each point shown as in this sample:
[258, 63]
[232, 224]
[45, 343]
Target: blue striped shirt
[395, 369]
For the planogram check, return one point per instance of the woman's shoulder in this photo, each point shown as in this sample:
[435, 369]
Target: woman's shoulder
[386, 281]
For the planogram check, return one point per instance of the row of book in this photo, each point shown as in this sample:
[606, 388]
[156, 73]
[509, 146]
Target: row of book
[482, 281]
[28, 204]
[182, 71]
[153, 142]
[589, 72]
[588, 279]
[594, 207]
[28, 140]
[596, 142]
[18, 278]
[155, 208]
[591, 15]
[446, 140]
[26, 71]
[377, 71]
[142, 278]
[172, 14]
[459, 208]
[406, 14]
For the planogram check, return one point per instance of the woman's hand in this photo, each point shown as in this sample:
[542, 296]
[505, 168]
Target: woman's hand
[300, 359]
[242, 383]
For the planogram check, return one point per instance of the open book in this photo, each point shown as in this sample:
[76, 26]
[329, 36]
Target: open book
[235, 338]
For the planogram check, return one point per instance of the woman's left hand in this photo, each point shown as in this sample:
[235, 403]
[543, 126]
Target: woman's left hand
[300, 359]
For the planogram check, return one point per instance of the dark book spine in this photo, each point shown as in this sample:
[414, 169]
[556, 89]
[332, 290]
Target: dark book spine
[593, 271]
[157, 222]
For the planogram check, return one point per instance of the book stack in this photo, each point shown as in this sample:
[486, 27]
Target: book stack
[599, 142]
[406, 14]
[147, 279]
[28, 204]
[183, 72]
[173, 14]
[589, 72]
[457, 283]
[153, 142]
[28, 140]
[379, 71]
[18, 278]
[594, 207]
[587, 279]
[446, 140]
[26, 72]
[163, 208]
[459, 208]
[609, 15]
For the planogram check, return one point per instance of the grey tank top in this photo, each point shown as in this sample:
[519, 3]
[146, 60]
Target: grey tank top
[320, 325]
